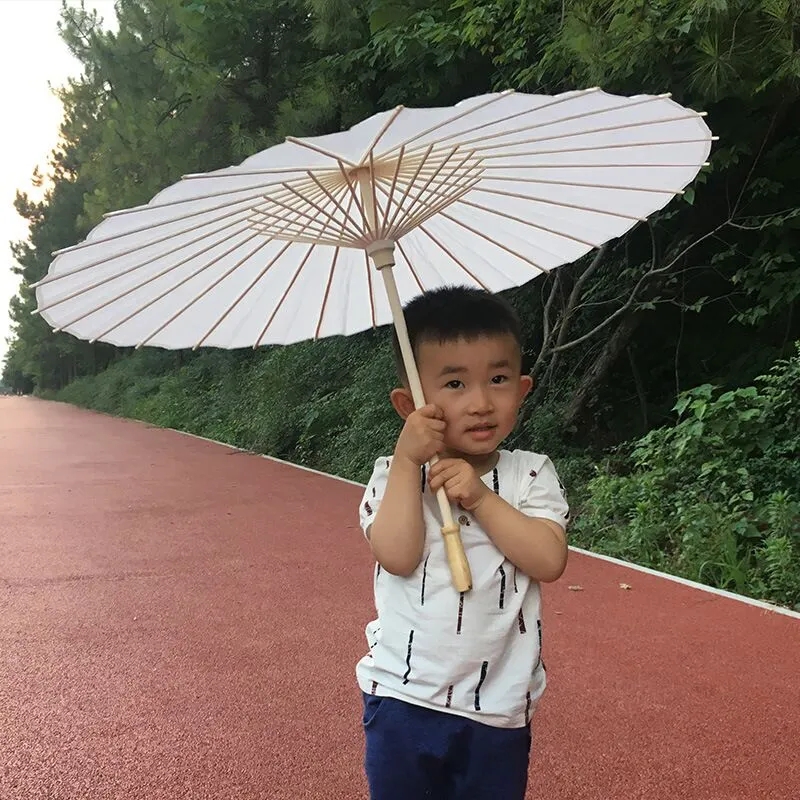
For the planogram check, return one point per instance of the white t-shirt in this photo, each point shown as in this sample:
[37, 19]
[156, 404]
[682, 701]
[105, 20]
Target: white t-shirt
[477, 654]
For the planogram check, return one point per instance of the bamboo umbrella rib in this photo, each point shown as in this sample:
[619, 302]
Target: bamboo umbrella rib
[428, 211]
[236, 172]
[317, 149]
[419, 192]
[150, 278]
[269, 223]
[408, 188]
[170, 203]
[444, 179]
[410, 266]
[302, 239]
[305, 219]
[507, 118]
[381, 133]
[572, 117]
[202, 294]
[276, 211]
[327, 293]
[154, 225]
[486, 237]
[48, 279]
[346, 212]
[398, 164]
[449, 120]
[454, 176]
[172, 288]
[560, 204]
[284, 296]
[515, 179]
[457, 261]
[596, 149]
[489, 167]
[301, 212]
[526, 223]
[242, 295]
[284, 222]
[289, 200]
[590, 131]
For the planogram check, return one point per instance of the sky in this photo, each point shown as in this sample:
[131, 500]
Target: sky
[32, 59]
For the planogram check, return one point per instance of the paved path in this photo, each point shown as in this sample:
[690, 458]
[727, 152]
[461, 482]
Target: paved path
[180, 620]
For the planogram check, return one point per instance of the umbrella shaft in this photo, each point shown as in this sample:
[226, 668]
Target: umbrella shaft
[409, 361]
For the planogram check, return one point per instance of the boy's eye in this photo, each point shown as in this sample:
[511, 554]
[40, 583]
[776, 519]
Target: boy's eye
[500, 379]
[455, 384]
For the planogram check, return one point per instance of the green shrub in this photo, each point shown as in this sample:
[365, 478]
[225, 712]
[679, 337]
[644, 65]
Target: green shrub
[716, 497]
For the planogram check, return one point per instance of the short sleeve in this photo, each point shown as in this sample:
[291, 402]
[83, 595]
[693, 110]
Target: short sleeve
[542, 494]
[373, 494]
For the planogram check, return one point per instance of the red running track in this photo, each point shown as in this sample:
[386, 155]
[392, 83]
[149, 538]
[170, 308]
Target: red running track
[181, 620]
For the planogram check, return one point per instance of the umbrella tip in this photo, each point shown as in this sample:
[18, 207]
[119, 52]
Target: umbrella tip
[666, 95]
[715, 138]
[702, 113]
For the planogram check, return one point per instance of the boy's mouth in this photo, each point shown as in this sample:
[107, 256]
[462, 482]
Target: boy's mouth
[482, 431]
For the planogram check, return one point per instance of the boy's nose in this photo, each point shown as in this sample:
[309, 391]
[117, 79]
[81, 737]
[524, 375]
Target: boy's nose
[481, 402]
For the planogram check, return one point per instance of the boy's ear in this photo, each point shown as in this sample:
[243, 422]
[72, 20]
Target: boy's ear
[403, 402]
[526, 384]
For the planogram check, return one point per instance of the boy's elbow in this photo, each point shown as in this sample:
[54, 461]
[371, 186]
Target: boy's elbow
[400, 562]
[401, 570]
[399, 566]
[554, 567]
[553, 572]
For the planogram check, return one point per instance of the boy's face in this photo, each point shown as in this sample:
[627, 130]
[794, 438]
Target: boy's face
[478, 386]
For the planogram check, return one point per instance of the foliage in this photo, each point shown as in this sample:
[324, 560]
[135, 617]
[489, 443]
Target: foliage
[715, 497]
[333, 416]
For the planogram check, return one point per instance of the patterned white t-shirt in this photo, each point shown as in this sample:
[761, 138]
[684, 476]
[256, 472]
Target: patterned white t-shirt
[476, 654]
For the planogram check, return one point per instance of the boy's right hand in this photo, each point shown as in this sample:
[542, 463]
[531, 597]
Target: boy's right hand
[422, 436]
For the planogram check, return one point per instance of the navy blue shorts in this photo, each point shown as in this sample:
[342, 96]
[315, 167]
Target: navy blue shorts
[414, 753]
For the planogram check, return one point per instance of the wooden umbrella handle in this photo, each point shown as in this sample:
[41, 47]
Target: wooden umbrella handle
[382, 254]
[451, 531]
[454, 547]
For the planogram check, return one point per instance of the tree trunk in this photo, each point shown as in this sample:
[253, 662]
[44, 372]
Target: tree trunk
[614, 347]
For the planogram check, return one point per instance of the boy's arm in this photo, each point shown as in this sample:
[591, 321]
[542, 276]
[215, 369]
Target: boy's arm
[397, 534]
[534, 545]
[528, 538]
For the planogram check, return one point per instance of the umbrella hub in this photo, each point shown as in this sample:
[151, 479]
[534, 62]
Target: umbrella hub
[381, 252]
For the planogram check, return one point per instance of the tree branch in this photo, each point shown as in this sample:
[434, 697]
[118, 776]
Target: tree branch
[633, 295]
[546, 332]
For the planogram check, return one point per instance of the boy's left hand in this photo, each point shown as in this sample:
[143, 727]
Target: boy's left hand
[460, 482]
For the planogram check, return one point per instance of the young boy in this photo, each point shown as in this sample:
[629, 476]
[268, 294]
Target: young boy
[451, 680]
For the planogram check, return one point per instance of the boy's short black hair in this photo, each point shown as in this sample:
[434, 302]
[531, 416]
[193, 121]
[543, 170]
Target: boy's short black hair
[455, 312]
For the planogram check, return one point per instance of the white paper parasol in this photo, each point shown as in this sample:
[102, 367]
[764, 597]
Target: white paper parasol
[490, 192]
